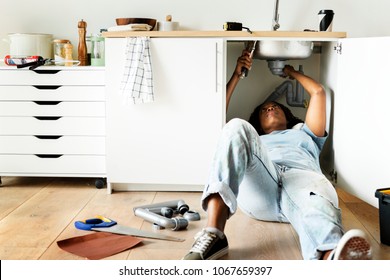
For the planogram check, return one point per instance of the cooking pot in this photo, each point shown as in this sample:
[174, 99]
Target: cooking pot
[27, 44]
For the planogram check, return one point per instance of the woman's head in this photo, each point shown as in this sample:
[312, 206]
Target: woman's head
[270, 116]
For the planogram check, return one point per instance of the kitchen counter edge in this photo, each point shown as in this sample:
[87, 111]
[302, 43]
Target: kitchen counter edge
[230, 35]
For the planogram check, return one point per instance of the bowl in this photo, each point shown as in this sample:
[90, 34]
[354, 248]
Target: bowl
[125, 21]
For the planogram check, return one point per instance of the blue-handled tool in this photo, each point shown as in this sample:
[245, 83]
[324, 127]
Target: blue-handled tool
[100, 223]
[97, 222]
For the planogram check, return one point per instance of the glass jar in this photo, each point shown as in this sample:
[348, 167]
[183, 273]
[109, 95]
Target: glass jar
[59, 50]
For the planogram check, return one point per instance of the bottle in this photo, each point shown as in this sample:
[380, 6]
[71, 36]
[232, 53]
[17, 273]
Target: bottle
[97, 50]
[88, 44]
[82, 47]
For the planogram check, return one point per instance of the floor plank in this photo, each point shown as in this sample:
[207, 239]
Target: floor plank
[38, 221]
[252, 239]
[18, 191]
[118, 207]
[35, 213]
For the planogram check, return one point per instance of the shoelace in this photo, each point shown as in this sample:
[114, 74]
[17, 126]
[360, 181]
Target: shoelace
[203, 240]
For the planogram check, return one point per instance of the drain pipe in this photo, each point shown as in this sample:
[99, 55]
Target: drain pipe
[284, 87]
[297, 99]
[176, 223]
[155, 213]
[293, 98]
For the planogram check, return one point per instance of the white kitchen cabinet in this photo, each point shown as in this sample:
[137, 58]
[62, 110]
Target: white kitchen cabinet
[166, 144]
[357, 75]
[52, 122]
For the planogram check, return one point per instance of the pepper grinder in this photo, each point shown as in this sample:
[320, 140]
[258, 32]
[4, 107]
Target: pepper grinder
[68, 54]
[82, 48]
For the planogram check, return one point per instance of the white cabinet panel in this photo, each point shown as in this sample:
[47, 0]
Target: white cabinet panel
[61, 126]
[46, 165]
[52, 93]
[53, 144]
[52, 76]
[361, 115]
[52, 108]
[170, 140]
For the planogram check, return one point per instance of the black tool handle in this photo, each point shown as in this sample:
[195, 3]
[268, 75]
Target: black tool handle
[33, 64]
[244, 70]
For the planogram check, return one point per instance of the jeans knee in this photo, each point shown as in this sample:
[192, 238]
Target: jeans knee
[237, 125]
[239, 132]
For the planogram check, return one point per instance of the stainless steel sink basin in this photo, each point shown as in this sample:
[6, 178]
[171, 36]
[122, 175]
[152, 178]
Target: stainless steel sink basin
[277, 52]
[282, 50]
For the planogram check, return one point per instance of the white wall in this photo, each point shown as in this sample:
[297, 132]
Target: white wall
[360, 18]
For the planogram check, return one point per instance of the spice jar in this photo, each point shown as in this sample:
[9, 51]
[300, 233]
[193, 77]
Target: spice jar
[59, 50]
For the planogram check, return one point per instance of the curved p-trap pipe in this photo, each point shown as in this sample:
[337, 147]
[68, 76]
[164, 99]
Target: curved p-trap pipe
[152, 213]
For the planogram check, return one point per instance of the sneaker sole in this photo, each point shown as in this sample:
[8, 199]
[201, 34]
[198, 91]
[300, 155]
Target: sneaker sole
[354, 246]
[219, 254]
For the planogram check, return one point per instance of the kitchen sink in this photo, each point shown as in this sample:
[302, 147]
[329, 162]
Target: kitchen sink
[276, 52]
[282, 50]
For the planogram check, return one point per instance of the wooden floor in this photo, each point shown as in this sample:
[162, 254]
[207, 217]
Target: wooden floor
[35, 213]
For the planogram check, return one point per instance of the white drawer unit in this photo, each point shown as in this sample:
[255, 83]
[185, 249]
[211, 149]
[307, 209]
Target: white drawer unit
[52, 122]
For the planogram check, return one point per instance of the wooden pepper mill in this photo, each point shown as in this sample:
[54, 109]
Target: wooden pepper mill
[82, 48]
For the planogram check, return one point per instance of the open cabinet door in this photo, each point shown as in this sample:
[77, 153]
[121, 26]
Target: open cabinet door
[361, 116]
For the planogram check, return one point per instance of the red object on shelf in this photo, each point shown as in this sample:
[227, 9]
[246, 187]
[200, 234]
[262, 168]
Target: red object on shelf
[15, 61]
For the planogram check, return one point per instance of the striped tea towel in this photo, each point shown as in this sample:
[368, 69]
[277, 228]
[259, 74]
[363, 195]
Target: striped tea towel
[137, 80]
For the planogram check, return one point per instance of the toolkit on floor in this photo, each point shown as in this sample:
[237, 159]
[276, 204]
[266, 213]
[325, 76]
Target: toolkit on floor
[383, 196]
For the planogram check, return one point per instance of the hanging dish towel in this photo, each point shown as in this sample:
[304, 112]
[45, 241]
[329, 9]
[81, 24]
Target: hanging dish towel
[137, 80]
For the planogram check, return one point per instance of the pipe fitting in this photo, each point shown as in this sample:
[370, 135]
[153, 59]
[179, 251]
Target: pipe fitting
[172, 223]
[161, 214]
[276, 67]
[293, 98]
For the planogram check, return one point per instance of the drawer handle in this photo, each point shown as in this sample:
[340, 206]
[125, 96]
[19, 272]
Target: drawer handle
[52, 137]
[47, 102]
[48, 156]
[47, 118]
[46, 71]
[46, 87]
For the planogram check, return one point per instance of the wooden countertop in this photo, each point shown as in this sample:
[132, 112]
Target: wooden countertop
[230, 35]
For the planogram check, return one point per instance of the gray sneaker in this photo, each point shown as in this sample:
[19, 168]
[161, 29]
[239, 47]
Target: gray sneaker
[352, 246]
[207, 246]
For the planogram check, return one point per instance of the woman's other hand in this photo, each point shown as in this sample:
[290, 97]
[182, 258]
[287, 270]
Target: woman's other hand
[287, 70]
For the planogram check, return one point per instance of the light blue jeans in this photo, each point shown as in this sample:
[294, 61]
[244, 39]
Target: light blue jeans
[243, 175]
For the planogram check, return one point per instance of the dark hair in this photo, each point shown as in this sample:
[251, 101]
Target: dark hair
[254, 119]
